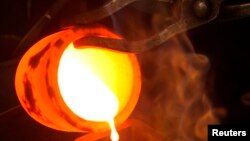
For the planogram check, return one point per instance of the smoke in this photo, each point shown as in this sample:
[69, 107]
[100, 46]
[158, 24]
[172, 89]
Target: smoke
[173, 105]
[173, 100]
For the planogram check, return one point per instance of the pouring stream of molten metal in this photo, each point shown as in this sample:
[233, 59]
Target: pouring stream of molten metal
[85, 78]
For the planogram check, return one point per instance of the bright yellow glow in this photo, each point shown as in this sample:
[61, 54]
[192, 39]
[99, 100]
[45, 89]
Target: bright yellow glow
[96, 83]
[82, 90]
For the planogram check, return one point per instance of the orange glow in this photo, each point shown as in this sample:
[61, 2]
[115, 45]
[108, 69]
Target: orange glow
[89, 88]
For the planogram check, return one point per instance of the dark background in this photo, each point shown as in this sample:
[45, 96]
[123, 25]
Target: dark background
[227, 46]
[225, 42]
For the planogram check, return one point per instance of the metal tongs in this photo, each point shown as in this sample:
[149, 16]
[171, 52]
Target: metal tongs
[192, 13]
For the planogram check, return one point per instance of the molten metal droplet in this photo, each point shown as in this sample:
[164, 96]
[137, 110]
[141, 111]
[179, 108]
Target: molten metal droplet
[114, 134]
